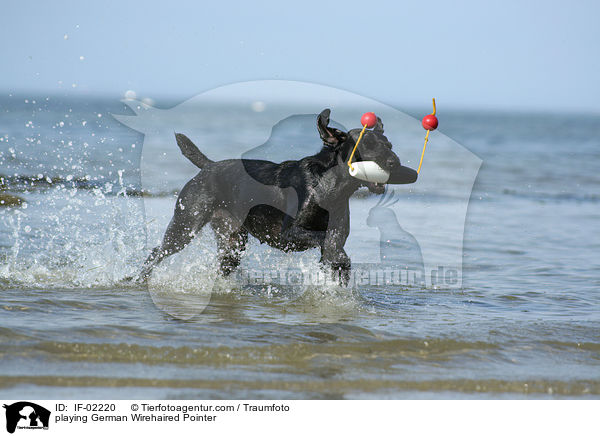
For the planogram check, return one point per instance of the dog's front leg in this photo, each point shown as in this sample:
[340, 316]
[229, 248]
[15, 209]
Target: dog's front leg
[332, 250]
[300, 238]
[295, 236]
[334, 256]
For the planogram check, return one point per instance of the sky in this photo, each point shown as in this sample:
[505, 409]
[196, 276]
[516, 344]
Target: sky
[508, 55]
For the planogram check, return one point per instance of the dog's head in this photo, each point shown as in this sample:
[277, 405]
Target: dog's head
[374, 146]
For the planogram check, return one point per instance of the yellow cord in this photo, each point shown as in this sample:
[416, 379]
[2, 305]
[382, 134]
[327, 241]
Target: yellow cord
[356, 145]
[423, 153]
[426, 139]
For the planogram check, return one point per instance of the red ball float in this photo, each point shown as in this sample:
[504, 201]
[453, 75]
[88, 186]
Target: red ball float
[430, 122]
[369, 119]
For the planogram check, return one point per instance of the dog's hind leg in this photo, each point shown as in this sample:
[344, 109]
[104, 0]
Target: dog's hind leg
[181, 230]
[192, 211]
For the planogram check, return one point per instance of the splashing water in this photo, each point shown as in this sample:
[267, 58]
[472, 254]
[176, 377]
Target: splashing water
[68, 237]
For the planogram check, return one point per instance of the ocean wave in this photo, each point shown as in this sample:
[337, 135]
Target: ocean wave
[553, 197]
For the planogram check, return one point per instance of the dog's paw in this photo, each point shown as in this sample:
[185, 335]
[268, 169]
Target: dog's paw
[336, 260]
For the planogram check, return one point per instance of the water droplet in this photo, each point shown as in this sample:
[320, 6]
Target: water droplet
[258, 106]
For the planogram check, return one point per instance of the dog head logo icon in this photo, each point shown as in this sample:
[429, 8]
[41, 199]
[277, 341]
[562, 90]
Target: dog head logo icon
[26, 415]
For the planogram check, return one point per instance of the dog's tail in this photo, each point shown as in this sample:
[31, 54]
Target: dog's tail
[189, 150]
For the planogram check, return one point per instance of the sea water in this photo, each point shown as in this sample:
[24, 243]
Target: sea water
[524, 322]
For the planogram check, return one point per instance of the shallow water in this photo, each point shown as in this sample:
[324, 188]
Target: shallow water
[524, 324]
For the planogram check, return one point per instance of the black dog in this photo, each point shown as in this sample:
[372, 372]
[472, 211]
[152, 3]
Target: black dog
[292, 206]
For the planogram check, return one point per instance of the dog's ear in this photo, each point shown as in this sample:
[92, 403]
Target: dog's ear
[379, 126]
[330, 136]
